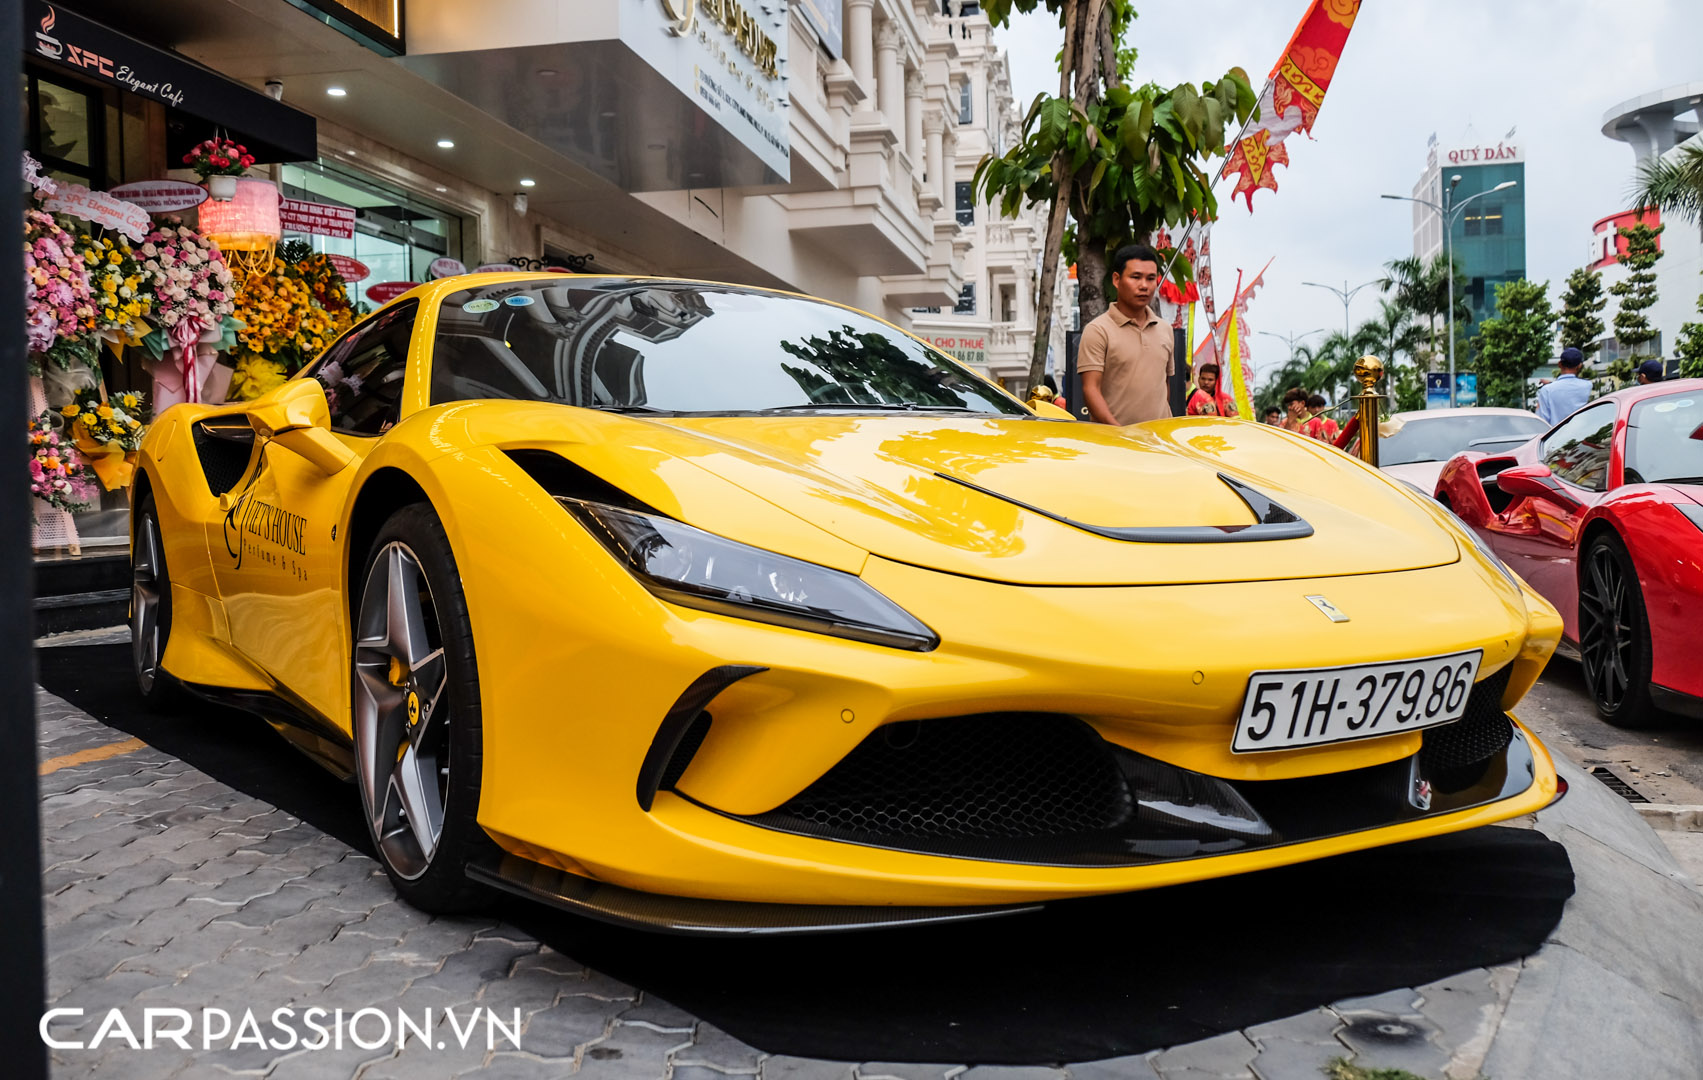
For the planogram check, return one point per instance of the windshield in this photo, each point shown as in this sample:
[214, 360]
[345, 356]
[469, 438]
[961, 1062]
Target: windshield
[1441, 438]
[1664, 440]
[677, 347]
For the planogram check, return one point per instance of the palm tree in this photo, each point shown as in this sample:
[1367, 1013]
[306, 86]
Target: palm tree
[1423, 289]
[1673, 183]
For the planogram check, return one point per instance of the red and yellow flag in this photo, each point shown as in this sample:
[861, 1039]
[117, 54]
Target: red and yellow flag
[1292, 95]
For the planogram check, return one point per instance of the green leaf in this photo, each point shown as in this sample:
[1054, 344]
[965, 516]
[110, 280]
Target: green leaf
[1094, 181]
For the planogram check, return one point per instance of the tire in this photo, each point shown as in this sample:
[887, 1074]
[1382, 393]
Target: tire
[1614, 635]
[150, 611]
[416, 716]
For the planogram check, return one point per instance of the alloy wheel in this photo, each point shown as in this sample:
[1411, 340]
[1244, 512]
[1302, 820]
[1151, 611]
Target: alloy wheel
[1606, 628]
[146, 572]
[401, 711]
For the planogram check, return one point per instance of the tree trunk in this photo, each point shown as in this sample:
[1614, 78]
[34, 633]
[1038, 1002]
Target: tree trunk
[1091, 300]
[1079, 17]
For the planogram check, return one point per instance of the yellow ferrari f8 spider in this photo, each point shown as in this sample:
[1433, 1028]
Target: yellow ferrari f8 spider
[713, 609]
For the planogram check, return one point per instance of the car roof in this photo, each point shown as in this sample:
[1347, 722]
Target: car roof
[1477, 410]
[1633, 394]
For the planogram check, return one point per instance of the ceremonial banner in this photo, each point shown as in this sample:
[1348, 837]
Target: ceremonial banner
[1292, 96]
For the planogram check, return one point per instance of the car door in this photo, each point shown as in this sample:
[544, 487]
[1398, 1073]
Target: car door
[1538, 537]
[279, 572]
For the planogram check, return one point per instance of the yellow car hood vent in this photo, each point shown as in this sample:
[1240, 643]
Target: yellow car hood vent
[1048, 503]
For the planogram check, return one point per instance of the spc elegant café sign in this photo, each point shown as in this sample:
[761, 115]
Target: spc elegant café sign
[100, 208]
[161, 196]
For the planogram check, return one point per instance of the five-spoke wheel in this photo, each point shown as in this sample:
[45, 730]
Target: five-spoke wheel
[416, 713]
[1614, 634]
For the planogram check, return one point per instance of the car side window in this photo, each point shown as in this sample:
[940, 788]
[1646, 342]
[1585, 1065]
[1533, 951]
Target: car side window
[363, 373]
[1577, 451]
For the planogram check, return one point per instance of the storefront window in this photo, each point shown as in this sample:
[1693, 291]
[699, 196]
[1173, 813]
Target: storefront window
[65, 129]
[397, 236]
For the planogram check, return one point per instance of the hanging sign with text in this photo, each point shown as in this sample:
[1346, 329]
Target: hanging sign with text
[386, 291]
[161, 196]
[447, 267]
[101, 209]
[317, 219]
[353, 270]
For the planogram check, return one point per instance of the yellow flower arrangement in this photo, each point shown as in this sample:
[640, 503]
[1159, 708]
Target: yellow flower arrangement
[285, 323]
[122, 287]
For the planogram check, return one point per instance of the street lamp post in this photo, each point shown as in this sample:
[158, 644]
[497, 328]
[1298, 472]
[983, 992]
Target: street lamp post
[1291, 339]
[1345, 294]
[1448, 212]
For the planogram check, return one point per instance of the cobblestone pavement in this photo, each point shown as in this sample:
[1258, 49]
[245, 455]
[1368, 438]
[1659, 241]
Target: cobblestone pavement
[165, 888]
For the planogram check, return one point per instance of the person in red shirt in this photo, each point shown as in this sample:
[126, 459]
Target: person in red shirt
[1321, 426]
[1208, 399]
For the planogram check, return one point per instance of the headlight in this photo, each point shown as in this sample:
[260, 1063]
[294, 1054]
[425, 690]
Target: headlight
[697, 569]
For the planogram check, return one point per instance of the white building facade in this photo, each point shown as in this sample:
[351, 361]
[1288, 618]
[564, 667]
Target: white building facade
[990, 323]
[1656, 124]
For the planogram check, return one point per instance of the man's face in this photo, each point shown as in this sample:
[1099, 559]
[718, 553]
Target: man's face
[1136, 284]
[1297, 409]
[1273, 417]
[1209, 381]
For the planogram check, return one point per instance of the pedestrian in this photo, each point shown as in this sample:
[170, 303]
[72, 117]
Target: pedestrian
[1295, 409]
[1126, 355]
[1650, 371]
[1558, 399]
[1327, 428]
[1208, 398]
[1274, 416]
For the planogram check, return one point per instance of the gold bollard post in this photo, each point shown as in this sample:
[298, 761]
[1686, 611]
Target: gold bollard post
[1368, 369]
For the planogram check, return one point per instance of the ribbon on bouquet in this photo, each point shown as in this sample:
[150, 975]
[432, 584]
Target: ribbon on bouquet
[184, 336]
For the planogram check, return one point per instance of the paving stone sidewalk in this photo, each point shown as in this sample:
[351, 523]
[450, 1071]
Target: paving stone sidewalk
[165, 888]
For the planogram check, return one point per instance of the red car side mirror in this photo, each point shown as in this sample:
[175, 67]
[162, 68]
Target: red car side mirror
[1532, 482]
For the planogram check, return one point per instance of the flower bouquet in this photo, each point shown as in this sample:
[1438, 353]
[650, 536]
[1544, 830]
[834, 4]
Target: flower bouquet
[191, 298]
[289, 316]
[60, 309]
[217, 158]
[123, 290]
[108, 432]
[57, 477]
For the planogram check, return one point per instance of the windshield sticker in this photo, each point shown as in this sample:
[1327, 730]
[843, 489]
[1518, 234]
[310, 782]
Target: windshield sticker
[479, 307]
[517, 301]
[1670, 406]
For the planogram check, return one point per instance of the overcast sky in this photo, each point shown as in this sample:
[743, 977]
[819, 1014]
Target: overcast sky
[1465, 69]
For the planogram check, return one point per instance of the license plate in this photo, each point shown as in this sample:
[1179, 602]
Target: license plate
[1312, 707]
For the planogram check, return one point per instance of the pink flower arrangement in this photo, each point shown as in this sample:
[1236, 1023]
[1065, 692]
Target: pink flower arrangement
[58, 475]
[191, 283]
[60, 304]
[219, 157]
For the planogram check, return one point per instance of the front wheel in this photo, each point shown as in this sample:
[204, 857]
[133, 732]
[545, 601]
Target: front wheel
[417, 721]
[150, 609]
[1614, 634]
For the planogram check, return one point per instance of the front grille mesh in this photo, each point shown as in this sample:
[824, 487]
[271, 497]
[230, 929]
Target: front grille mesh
[991, 776]
[1481, 733]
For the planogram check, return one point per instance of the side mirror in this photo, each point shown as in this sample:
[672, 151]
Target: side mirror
[1532, 482]
[297, 417]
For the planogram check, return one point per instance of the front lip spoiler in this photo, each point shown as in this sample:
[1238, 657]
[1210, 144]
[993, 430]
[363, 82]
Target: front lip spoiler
[1272, 521]
[695, 917]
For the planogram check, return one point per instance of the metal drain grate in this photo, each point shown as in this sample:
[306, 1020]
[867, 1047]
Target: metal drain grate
[1617, 785]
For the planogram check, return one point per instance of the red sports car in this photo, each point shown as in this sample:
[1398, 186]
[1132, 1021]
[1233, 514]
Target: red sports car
[1603, 515]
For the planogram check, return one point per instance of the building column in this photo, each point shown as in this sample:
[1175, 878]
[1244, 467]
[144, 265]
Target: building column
[859, 43]
[934, 127]
[948, 193]
[913, 120]
[890, 77]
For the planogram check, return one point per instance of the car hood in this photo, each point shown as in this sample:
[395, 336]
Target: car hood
[982, 496]
[1421, 474]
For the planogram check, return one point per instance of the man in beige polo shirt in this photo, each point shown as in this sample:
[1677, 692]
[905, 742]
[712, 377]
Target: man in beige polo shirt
[1126, 354]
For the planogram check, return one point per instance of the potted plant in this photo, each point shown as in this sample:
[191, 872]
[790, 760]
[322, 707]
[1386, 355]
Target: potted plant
[219, 161]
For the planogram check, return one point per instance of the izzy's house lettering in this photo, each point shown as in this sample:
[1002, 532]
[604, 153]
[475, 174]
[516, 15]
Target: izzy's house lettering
[271, 524]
